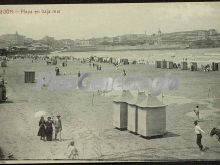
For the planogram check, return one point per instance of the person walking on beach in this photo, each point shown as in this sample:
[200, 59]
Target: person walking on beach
[49, 129]
[198, 132]
[72, 152]
[124, 73]
[42, 131]
[197, 112]
[44, 82]
[3, 88]
[116, 67]
[58, 127]
[79, 74]
[57, 70]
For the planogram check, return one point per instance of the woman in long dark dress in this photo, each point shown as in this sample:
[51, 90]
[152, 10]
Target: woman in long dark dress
[49, 129]
[41, 131]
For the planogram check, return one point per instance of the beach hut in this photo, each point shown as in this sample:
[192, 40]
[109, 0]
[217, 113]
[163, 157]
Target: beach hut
[120, 110]
[100, 59]
[215, 66]
[169, 65]
[124, 61]
[218, 66]
[95, 59]
[1, 98]
[91, 58]
[113, 60]
[164, 64]
[151, 117]
[193, 66]
[133, 112]
[134, 62]
[158, 64]
[110, 60]
[105, 59]
[2, 91]
[175, 66]
[54, 61]
[29, 76]
[183, 65]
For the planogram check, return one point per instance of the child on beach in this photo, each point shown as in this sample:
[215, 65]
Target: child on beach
[72, 152]
[197, 112]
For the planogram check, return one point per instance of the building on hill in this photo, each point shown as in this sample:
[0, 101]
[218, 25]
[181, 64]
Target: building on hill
[212, 32]
[215, 37]
[38, 47]
[14, 39]
[116, 40]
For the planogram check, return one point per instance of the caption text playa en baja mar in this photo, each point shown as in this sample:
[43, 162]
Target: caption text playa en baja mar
[29, 11]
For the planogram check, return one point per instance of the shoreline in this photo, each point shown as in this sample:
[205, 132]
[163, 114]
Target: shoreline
[120, 50]
[107, 50]
[117, 50]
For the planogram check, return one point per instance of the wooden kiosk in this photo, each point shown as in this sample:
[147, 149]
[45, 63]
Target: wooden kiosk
[169, 65]
[29, 76]
[158, 64]
[151, 117]
[133, 112]
[120, 110]
[164, 64]
[184, 65]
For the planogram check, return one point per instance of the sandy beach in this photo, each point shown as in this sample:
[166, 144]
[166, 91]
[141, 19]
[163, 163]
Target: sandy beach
[90, 125]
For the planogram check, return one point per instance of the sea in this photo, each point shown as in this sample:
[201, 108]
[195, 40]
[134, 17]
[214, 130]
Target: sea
[201, 56]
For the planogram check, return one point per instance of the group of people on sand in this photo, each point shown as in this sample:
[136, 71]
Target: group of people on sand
[46, 128]
[98, 67]
[46, 133]
[198, 130]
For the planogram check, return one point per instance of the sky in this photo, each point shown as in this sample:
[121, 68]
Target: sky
[83, 21]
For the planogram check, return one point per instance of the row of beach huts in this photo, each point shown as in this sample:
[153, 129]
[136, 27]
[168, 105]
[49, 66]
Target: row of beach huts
[143, 114]
[184, 65]
[164, 64]
[193, 66]
[111, 60]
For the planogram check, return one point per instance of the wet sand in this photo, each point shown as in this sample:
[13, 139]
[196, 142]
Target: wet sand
[90, 126]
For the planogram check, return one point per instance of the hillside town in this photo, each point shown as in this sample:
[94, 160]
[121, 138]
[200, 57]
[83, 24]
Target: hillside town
[17, 43]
